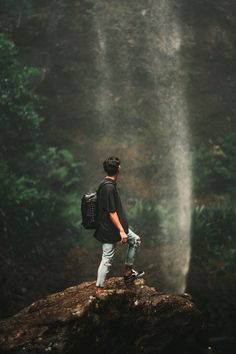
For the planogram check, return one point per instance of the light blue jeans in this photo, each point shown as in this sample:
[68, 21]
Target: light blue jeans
[108, 252]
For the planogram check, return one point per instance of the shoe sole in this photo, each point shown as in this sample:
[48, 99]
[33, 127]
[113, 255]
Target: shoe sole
[137, 277]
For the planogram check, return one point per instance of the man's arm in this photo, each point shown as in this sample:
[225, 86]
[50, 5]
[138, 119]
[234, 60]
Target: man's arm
[115, 219]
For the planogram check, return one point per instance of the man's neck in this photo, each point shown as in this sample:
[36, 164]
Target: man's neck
[114, 178]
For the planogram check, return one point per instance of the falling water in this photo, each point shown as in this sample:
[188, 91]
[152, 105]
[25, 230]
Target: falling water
[162, 62]
[170, 85]
[103, 96]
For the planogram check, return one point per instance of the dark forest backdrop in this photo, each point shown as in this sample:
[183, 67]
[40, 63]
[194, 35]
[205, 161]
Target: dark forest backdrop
[52, 145]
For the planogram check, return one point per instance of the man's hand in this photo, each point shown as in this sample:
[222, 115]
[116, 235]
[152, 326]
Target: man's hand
[124, 238]
[115, 219]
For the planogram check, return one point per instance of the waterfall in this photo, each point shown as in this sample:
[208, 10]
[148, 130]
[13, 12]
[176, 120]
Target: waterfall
[104, 93]
[164, 35]
[149, 35]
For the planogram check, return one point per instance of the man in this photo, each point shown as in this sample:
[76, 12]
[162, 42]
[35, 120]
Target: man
[113, 227]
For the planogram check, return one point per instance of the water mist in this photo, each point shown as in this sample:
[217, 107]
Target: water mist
[149, 35]
[170, 85]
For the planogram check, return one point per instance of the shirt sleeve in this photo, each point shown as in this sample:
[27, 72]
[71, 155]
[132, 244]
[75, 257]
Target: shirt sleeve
[109, 199]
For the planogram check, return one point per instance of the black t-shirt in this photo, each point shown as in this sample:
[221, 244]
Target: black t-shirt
[108, 202]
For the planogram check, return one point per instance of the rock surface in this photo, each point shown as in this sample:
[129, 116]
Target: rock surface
[136, 319]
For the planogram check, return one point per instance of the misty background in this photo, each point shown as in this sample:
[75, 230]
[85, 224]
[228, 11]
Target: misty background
[152, 82]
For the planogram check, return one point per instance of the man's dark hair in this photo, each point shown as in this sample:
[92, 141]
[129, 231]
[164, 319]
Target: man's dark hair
[111, 165]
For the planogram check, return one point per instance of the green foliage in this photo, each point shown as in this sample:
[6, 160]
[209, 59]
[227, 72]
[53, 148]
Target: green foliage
[60, 169]
[34, 220]
[214, 226]
[154, 220]
[146, 218]
[38, 209]
[213, 231]
[19, 121]
[215, 172]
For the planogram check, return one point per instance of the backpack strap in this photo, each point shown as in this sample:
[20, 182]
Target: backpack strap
[103, 184]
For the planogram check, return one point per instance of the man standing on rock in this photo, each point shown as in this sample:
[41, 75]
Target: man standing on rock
[113, 227]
